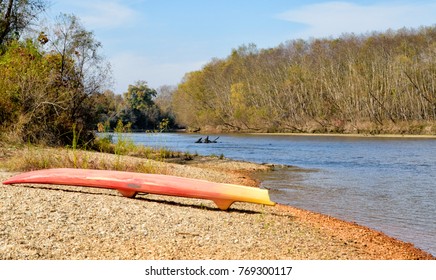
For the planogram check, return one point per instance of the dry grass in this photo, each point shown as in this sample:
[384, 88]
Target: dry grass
[125, 146]
[27, 158]
[34, 158]
[123, 155]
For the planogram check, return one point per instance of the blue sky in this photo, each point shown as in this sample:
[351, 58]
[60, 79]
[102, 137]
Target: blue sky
[160, 40]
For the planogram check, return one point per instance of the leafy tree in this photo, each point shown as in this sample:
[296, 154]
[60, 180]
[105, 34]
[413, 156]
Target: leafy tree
[17, 15]
[26, 92]
[108, 109]
[139, 96]
[47, 89]
[140, 108]
[81, 73]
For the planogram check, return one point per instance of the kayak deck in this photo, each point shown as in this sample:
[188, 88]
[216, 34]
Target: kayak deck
[131, 183]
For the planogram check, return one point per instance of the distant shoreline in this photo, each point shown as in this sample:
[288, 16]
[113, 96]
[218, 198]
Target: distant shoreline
[356, 135]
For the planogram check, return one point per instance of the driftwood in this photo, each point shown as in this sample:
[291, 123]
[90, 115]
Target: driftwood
[207, 140]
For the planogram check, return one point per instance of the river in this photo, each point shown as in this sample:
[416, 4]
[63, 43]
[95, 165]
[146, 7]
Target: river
[388, 184]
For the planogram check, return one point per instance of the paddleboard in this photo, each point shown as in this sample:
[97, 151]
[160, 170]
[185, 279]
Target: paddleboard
[131, 183]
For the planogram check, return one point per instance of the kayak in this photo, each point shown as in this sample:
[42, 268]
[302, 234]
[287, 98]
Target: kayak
[131, 183]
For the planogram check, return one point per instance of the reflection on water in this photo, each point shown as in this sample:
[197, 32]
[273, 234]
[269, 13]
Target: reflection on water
[384, 183]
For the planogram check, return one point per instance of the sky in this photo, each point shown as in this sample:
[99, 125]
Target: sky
[159, 41]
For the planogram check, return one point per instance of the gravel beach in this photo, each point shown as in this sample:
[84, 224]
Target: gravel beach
[63, 222]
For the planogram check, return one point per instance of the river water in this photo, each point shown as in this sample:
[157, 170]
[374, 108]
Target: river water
[388, 184]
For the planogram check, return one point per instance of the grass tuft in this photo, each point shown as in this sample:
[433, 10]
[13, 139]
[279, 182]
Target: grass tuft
[35, 158]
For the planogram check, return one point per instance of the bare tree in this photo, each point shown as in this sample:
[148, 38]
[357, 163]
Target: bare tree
[374, 82]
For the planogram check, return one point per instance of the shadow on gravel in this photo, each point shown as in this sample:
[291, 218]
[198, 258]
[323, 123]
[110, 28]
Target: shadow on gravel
[141, 196]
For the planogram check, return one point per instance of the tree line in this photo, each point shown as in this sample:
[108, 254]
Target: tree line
[140, 108]
[372, 83]
[54, 85]
[54, 82]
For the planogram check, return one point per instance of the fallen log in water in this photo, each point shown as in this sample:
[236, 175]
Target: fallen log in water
[207, 140]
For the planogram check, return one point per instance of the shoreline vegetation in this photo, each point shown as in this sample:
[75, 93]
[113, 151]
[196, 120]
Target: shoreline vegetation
[63, 222]
[374, 83]
[430, 136]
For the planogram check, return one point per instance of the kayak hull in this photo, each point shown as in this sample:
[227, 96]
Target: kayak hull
[131, 183]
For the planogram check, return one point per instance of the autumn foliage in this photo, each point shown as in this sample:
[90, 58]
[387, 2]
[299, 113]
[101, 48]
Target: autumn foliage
[48, 84]
[373, 83]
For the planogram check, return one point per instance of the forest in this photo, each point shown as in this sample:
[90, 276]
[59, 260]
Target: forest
[372, 83]
[55, 85]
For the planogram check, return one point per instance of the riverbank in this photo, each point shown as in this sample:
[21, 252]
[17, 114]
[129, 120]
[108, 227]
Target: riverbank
[402, 136]
[63, 222]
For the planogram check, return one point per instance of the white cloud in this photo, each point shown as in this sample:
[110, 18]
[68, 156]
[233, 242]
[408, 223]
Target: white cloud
[130, 67]
[102, 14]
[335, 18]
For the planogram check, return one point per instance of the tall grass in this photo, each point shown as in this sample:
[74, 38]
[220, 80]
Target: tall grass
[35, 158]
[123, 145]
[105, 153]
